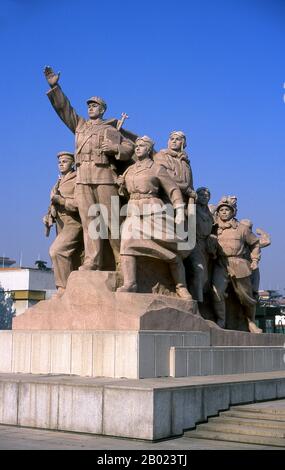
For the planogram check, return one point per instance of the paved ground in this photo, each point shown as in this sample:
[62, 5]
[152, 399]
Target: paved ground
[14, 438]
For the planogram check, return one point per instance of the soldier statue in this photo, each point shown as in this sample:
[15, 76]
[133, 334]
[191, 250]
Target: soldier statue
[98, 147]
[67, 248]
[177, 164]
[232, 265]
[198, 262]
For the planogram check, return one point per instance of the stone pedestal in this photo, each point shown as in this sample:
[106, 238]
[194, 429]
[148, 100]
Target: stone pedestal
[136, 365]
[92, 303]
[93, 331]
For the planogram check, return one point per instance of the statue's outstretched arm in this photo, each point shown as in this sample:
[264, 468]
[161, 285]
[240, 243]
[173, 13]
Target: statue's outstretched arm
[60, 102]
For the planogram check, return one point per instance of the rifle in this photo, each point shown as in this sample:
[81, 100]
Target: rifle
[50, 219]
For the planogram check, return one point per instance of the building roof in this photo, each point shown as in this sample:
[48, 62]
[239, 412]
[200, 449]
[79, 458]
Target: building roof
[6, 262]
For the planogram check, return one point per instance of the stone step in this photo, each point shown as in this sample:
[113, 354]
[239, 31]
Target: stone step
[231, 437]
[273, 409]
[251, 415]
[238, 421]
[248, 430]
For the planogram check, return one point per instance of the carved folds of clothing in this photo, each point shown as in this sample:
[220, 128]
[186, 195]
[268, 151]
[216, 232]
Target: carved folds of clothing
[178, 167]
[146, 180]
[67, 247]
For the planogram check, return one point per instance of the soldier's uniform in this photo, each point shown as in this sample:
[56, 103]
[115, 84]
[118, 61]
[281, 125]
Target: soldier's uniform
[147, 230]
[143, 182]
[178, 167]
[234, 239]
[67, 247]
[96, 175]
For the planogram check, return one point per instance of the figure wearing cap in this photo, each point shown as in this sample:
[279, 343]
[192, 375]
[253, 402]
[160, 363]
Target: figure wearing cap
[231, 199]
[176, 162]
[234, 239]
[67, 247]
[143, 232]
[98, 146]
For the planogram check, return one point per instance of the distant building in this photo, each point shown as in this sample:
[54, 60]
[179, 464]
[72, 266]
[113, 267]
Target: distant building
[270, 311]
[6, 262]
[27, 285]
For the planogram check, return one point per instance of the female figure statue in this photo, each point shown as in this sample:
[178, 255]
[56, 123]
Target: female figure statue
[147, 229]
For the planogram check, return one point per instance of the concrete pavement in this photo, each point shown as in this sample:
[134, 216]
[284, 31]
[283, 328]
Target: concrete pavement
[15, 438]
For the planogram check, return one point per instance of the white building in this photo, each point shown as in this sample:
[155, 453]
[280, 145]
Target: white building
[27, 285]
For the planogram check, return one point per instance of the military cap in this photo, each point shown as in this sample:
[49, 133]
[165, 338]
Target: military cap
[66, 154]
[203, 188]
[147, 140]
[228, 202]
[97, 99]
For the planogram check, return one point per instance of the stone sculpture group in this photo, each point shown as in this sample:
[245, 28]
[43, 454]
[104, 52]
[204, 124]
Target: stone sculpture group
[118, 201]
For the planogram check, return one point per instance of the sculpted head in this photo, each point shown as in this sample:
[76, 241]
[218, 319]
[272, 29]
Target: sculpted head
[225, 213]
[177, 141]
[203, 196]
[65, 162]
[226, 208]
[96, 107]
[144, 147]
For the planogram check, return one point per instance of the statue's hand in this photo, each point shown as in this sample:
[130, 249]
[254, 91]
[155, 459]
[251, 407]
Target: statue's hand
[57, 199]
[109, 148]
[191, 193]
[254, 265]
[120, 180]
[52, 78]
[46, 221]
[180, 215]
[259, 232]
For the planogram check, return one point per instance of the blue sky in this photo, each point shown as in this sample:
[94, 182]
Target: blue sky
[214, 69]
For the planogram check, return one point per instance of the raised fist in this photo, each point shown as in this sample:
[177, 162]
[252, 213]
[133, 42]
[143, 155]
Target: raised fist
[52, 78]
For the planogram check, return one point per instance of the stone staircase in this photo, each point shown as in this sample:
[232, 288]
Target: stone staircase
[258, 423]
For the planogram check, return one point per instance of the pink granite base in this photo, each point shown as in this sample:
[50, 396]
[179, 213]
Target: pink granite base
[92, 303]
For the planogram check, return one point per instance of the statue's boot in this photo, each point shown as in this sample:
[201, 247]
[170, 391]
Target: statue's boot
[59, 293]
[249, 311]
[220, 311]
[116, 253]
[128, 267]
[88, 267]
[178, 273]
[253, 328]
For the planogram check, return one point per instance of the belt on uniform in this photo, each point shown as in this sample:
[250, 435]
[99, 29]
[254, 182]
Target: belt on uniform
[96, 156]
[142, 196]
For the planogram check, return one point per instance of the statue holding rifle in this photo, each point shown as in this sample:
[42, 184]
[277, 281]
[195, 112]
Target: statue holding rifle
[66, 249]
